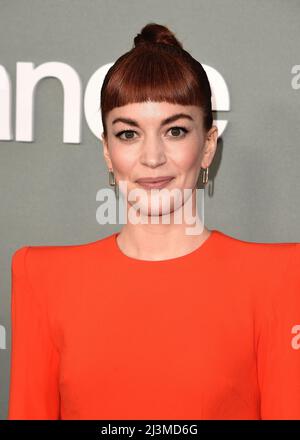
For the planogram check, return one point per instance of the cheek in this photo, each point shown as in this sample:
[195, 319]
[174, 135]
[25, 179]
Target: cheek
[122, 160]
[185, 158]
[188, 159]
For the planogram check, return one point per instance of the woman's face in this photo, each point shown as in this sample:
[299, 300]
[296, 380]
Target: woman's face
[154, 139]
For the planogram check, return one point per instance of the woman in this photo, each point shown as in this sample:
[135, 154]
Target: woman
[154, 322]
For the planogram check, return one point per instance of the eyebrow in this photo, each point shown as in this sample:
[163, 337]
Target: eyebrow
[163, 122]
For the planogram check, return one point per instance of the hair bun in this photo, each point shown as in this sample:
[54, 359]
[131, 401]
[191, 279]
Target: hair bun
[154, 33]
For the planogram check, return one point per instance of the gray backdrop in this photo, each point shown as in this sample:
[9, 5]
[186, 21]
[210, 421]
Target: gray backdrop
[48, 188]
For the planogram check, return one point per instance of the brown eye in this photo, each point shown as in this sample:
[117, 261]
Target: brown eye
[125, 132]
[176, 131]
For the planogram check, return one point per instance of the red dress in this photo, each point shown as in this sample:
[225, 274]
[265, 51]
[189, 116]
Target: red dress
[213, 334]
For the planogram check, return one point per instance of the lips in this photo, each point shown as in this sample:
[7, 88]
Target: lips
[154, 179]
[160, 182]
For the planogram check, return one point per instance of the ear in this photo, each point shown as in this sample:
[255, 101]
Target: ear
[106, 152]
[102, 137]
[210, 146]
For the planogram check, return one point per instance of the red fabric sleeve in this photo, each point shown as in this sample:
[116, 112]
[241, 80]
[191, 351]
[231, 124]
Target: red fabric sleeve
[278, 350]
[33, 392]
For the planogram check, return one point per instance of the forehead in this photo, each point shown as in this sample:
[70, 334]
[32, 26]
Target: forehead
[150, 111]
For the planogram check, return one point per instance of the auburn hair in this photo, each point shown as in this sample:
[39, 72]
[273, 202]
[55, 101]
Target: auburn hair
[157, 68]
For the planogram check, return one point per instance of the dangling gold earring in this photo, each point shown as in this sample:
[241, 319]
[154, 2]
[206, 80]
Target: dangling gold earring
[112, 182]
[111, 179]
[205, 175]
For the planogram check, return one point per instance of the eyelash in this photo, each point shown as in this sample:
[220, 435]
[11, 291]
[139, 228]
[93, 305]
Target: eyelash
[171, 128]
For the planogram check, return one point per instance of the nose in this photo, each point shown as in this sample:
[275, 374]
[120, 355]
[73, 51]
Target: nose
[153, 152]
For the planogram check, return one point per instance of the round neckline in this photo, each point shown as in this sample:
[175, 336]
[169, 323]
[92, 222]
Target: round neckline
[200, 249]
